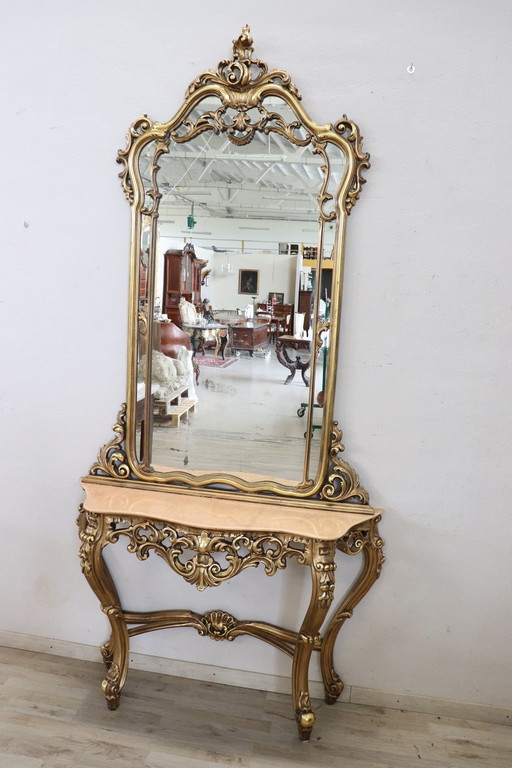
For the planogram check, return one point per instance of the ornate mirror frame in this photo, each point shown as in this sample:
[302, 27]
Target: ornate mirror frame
[241, 84]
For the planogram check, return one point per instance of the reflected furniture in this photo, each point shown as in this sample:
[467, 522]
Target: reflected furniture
[208, 332]
[170, 410]
[249, 337]
[209, 525]
[168, 338]
[182, 279]
[305, 301]
[279, 317]
[287, 342]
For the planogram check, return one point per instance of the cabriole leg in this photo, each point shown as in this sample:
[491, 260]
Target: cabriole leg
[364, 539]
[322, 590]
[115, 652]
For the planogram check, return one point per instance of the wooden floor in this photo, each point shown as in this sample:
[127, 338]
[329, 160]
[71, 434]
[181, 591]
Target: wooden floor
[52, 714]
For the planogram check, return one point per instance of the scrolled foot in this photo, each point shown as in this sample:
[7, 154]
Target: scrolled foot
[111, 687]
[333, 689]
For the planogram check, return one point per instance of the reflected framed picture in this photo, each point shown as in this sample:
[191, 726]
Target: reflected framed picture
[248, 280]
[276, 298]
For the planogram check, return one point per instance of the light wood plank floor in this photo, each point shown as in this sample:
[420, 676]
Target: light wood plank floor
[52, 714]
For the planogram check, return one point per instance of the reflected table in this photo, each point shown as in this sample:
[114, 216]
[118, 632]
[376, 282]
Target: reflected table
[199, 334]
[283, 344]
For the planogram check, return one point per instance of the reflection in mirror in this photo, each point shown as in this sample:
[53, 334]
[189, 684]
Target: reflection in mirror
[235, 278]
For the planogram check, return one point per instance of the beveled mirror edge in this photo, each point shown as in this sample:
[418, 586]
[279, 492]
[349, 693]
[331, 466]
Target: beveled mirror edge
[234, 82]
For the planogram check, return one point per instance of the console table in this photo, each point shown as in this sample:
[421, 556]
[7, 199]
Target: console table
[208, 540]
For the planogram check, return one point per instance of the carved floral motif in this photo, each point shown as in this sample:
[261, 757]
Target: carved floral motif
[88, 525]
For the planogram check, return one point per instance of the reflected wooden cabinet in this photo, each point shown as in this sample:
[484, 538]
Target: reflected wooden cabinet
[249, 337]
[305, 301]
[182, 278]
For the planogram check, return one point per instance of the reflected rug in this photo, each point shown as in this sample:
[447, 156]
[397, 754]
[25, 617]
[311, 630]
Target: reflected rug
[210, 362]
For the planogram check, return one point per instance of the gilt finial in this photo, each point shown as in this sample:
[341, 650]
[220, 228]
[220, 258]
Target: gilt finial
[242, 47]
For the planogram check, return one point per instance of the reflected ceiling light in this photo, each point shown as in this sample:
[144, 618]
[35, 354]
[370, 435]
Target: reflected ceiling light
[191, 222]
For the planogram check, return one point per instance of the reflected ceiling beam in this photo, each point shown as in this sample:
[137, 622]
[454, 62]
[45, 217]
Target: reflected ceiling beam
[209, 165]
[286, 156]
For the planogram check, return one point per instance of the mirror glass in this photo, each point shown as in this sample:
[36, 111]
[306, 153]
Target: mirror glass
[239, 205]
[239, 259]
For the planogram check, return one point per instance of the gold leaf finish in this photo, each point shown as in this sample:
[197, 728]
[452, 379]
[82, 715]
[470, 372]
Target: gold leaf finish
[342, 481]
[112, 457]
[243, 71]
[242, 86]
[207, 558]
[192, 523]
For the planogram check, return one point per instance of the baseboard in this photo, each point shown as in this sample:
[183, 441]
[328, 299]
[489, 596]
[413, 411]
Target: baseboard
[487, 713]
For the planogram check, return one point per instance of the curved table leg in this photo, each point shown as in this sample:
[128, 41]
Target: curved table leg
[303, 368]
[292, 365]
[223, 345]
[322, 590]
[363, 538]
[284, 359]
[116, 650]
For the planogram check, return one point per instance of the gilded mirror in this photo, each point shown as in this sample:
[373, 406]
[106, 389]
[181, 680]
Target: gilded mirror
[239, 206]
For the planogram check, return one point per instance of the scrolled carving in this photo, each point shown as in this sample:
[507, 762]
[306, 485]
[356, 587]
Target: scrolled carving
[324, 197]
[240, 127]
[242, 71]
[304, 701]
[88, 525]
[342, 480]
[334, 687]
[152, 191]
[142, 319]
[321, 328]
[325, 567]
[350, 131]
[138, 128]
[111, 686]
[112, 457]
[216, 557]
[107, 653]
[364, 536]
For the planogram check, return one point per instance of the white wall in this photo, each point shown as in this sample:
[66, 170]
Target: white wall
[425, 384]
[245, 245]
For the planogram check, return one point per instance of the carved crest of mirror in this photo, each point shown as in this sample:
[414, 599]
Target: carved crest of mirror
[239, 207]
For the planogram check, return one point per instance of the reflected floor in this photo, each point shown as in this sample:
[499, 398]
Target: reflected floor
[245, 421]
